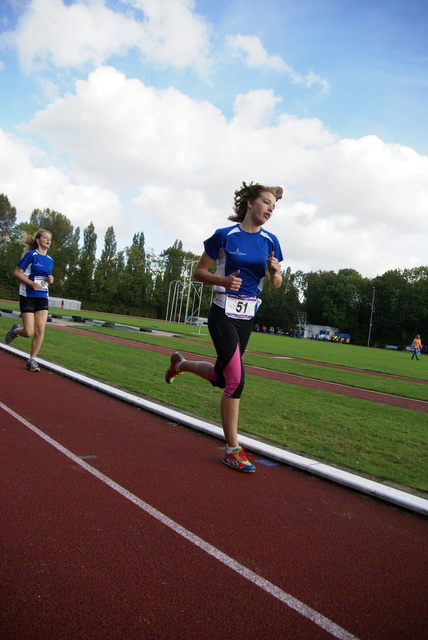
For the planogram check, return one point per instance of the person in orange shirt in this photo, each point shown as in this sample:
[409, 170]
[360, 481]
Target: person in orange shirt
[417, 346]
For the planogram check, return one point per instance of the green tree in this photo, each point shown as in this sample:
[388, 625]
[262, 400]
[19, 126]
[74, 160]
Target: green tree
[106, 277]
[72, 275]
[389, 291]
[401, 306]
[340, 300]
[280, 306]
[7, 219]
[137, 282]
[317, 303]
[289, 303]
[118, 295]
[350, 304]
[84, 283]
[416, 305]
[172, 265]
[9, 249]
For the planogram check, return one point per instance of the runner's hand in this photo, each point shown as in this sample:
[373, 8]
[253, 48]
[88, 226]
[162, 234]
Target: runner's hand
[273, 264]
[232, 283]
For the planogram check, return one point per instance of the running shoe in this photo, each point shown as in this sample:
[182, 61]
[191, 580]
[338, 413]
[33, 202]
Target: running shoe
[237, 459]
[171, 372]
[32, 365]
[11, 335]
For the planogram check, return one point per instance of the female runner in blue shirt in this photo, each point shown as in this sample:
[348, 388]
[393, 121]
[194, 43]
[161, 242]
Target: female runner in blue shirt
[243, 252]
[34, 272]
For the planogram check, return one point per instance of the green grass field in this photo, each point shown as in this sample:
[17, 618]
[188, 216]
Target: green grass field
[380, 441]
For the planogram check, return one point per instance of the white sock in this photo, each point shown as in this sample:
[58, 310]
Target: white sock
[230, 449]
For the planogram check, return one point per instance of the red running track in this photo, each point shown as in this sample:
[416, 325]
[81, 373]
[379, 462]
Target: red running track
[117, 525]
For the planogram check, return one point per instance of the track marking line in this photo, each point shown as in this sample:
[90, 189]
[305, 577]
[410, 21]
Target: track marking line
[307, 612]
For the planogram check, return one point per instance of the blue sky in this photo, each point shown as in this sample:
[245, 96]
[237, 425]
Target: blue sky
[147, 114]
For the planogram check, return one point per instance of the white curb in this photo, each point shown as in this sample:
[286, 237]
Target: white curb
[375, 489]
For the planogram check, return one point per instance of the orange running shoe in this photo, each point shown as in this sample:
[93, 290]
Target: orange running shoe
[237, 459]
[171, 372]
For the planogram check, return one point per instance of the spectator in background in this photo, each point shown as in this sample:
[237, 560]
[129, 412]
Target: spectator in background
[416, 346]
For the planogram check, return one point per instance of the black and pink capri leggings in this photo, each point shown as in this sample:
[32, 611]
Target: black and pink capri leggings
[230, 337]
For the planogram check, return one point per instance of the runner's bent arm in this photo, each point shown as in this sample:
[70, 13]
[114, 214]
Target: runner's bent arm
[20, 275]
[275, 277]
[201, 274]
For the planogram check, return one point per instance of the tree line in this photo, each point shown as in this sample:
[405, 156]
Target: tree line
[136, 281]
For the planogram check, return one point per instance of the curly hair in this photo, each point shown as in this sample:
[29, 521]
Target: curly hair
[30, 242]
[250, 192]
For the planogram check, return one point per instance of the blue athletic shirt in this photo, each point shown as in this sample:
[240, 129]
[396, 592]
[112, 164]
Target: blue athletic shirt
[234, 249]
[37, 268]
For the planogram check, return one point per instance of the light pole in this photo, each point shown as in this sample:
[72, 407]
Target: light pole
[371, 317]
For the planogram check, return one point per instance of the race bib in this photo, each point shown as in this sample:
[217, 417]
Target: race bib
[243, 307]
[42, 281]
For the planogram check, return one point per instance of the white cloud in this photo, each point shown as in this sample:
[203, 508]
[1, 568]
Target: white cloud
[255, 108]
[50, 33]
[31, 181]
[121, 132]
[356, 203]
[178, 215]
[174, 34]
[250, 50]
[371, 180]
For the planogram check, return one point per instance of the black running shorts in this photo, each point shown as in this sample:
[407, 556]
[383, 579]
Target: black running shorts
[32, 305]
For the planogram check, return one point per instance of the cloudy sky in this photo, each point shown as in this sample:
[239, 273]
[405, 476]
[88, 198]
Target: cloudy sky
[146, 115]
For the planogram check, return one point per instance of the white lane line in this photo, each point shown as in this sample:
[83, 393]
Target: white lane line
[317, 618]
